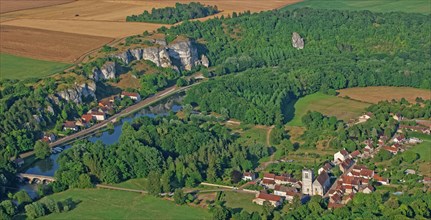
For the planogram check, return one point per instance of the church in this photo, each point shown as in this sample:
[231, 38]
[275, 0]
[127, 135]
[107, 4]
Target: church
[319, 186]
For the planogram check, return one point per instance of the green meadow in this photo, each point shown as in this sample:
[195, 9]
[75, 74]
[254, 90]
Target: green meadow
[110, 204]
[15, 67]
[341, 108]
[419, 6]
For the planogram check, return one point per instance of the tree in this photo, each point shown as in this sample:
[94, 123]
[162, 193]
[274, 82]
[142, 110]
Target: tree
[8, 207]
[179, 197]
[34, 210]
[84, 181]
[42, 149]
[50, 204]
[181, 82]
[410, 156]
[154, 186]
[166, 182]
[22, 197]
[236, 176]
[267, 210]
[220, 213]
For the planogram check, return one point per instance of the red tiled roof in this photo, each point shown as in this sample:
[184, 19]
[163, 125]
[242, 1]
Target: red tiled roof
[344, 152]
[134, 94]
[267, 181]
[355, 153]
[367, 172]
[248, 174]
[69, 124]
[269, 175]
[379, 178]
[334, 205]
[87, 117]
[282, 178]
[322, 178]
[391, 149]
[269, 197]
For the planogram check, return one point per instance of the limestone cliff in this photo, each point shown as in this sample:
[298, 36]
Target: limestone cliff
[76, 92]
[182, 54]
[107, 71]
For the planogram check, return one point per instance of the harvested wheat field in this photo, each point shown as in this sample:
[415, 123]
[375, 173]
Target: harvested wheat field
[117, 10]
[16, 5]
[47, 45]
[374, 94]
[110, 29]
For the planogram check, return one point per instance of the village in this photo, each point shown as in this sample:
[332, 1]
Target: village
[355, 177]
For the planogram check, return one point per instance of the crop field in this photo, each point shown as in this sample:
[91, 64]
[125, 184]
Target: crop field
[375, 94]
[47, 45]
[343, 109]
[419, 6]
[109, 204]
[95, 22]
[15, 5]
[14, 67]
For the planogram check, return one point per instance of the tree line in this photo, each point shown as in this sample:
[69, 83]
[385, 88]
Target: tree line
[172, 15]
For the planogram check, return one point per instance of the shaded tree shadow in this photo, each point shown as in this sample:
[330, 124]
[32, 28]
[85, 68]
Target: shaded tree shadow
[288, 108]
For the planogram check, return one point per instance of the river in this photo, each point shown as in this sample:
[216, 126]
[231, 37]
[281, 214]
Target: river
[48, 166]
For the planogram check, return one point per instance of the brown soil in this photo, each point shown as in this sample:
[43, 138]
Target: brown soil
[47, 45]
[16, 5]
[374, 94]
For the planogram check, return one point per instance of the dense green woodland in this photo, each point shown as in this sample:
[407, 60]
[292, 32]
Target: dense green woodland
[172, 15]
[179, 152]
[342, 49]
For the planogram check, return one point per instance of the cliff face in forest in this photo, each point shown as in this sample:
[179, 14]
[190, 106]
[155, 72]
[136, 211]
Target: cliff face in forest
[76, 92]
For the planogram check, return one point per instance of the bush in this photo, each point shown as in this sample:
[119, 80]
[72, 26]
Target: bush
[34, 210]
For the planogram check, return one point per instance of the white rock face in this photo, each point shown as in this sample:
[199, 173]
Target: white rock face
[204, 60]
[179, 55]
[76, 92]
[297, 41]
[107, 71]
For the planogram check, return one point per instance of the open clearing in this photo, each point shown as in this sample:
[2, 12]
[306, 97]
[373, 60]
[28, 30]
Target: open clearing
[16, 5]
[374, 94]
[13, 67]
[109, 204]
[238, 200]
[343, 109]
[47, 45]
[419, 6]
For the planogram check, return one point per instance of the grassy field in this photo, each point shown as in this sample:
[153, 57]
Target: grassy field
[108, 204]
[139, 184]
[14, 67]
[419, 6]
[239, 201]
[343, 109]
[374, 94]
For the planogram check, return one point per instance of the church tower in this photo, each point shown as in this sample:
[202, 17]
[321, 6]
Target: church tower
[307, 181]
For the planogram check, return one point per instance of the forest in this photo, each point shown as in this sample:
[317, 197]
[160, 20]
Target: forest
[172, 15]
[175, 152]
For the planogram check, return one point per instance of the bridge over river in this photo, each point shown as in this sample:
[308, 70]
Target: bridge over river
[34, 178]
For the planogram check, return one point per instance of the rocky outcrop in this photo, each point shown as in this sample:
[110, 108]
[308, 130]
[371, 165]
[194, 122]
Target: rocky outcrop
[78, 91]
[204, 60]
[107, 71]
[182, 54]
[297, 41]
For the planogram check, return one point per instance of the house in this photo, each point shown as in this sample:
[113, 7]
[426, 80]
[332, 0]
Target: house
[286, 192]
[70, 125]
[334, 205]
[397, 117]
[327, 167]
[248, 176]
[381, 180]
[268, 183]
[426, 180]
[365, 117]
[399, 138]
[341, 156]
[48, 138]
[81, 123]
[346, 164]
[391, 149]
[87, 118]
[366, 173]
[355, 154]
[382, 140]
[269, 176]
[132, 95]
[272, 199]
[368, 149]
[414, 140]
[321, 184]
[19, 162]
[410, 171]
[98, 115]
